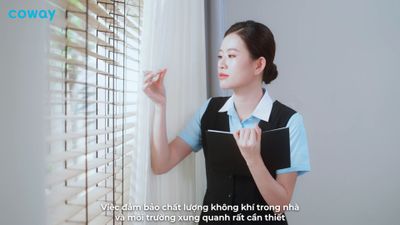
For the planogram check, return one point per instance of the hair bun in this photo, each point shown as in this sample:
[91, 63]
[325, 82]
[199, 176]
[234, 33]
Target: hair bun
[270, 74]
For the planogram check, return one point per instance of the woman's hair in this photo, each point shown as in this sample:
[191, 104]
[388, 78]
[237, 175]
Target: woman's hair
[260, 42]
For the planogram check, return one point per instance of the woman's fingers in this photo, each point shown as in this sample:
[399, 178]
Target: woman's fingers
[258, 133]
[151, 77]
[236, 135]
[247, 136]
[252, 136]
[153, 86]
[244, 135]
[146, 86]
[163, 72]
[149, 80]
[147, 75]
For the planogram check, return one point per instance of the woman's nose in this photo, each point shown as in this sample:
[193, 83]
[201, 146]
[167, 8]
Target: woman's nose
[222, 64]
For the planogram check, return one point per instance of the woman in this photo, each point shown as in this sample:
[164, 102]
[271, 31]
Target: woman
[245, 61]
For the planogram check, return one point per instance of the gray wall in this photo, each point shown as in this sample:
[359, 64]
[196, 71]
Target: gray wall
[22, 68]
[339, 65]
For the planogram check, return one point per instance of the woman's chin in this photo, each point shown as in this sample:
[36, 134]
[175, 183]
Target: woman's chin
[224, 85]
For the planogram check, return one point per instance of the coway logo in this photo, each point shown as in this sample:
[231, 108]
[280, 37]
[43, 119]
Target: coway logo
[24, 14]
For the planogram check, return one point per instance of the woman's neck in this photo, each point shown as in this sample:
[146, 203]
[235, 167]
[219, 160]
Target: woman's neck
[246, 99]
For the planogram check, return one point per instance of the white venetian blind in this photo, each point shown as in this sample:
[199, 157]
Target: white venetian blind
[92, 96]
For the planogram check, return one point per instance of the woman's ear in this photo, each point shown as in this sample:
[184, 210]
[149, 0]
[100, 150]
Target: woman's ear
[260, 64]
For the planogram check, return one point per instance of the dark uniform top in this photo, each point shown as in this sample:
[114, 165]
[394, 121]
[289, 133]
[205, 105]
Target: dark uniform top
[227, 193]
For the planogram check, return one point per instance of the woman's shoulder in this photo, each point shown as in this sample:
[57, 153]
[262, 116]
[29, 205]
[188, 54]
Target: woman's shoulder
[217, 101]
[283, 109]
[212, 103]
[287, 112]
[219, 98]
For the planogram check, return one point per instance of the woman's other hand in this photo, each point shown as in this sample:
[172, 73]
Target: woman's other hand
[249, 143]
[153, 86]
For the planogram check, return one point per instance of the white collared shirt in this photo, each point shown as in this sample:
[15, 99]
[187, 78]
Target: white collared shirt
[261, 112]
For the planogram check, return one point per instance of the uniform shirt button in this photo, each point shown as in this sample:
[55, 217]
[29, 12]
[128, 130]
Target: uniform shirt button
[230, 195]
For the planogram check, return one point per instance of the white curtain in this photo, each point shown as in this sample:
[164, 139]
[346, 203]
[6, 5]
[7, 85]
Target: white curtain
[173, 37]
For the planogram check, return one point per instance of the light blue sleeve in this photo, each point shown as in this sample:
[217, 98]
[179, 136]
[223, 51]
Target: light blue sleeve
[191, 134]
[299, 156]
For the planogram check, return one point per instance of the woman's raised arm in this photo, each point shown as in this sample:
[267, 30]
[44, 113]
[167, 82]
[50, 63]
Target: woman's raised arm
[164, 155]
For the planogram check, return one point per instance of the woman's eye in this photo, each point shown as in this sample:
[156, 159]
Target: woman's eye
[231, 56]
[219, 57]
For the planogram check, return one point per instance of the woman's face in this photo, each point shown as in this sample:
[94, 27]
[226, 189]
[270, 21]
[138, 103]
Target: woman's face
[236, 68]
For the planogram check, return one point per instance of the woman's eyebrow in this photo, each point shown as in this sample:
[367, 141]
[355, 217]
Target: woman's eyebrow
[229, 49]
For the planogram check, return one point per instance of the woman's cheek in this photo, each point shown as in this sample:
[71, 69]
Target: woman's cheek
[242, 76]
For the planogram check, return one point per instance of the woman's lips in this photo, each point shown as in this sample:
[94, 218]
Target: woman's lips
[222, 76]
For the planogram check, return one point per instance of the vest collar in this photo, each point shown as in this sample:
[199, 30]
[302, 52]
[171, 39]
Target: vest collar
[262, 110]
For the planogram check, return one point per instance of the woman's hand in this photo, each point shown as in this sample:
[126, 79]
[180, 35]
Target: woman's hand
[153, 86]
[249, 143]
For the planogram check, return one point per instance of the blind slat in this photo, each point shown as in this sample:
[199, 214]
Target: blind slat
[93, 179]
[94, 209]
[62, 80]
[100, 220]
[74, 135]
[93, 196]
[60, 214]
[61, 176]
[57, 196]
[64, 156]
[64, 100]
[92, 164]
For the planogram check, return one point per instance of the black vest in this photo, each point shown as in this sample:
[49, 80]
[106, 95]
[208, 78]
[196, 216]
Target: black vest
[229, 189]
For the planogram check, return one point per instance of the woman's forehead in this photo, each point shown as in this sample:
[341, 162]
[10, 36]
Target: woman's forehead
[232, 42]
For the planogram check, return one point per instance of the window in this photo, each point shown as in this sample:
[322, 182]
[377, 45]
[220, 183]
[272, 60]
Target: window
[92, 96]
